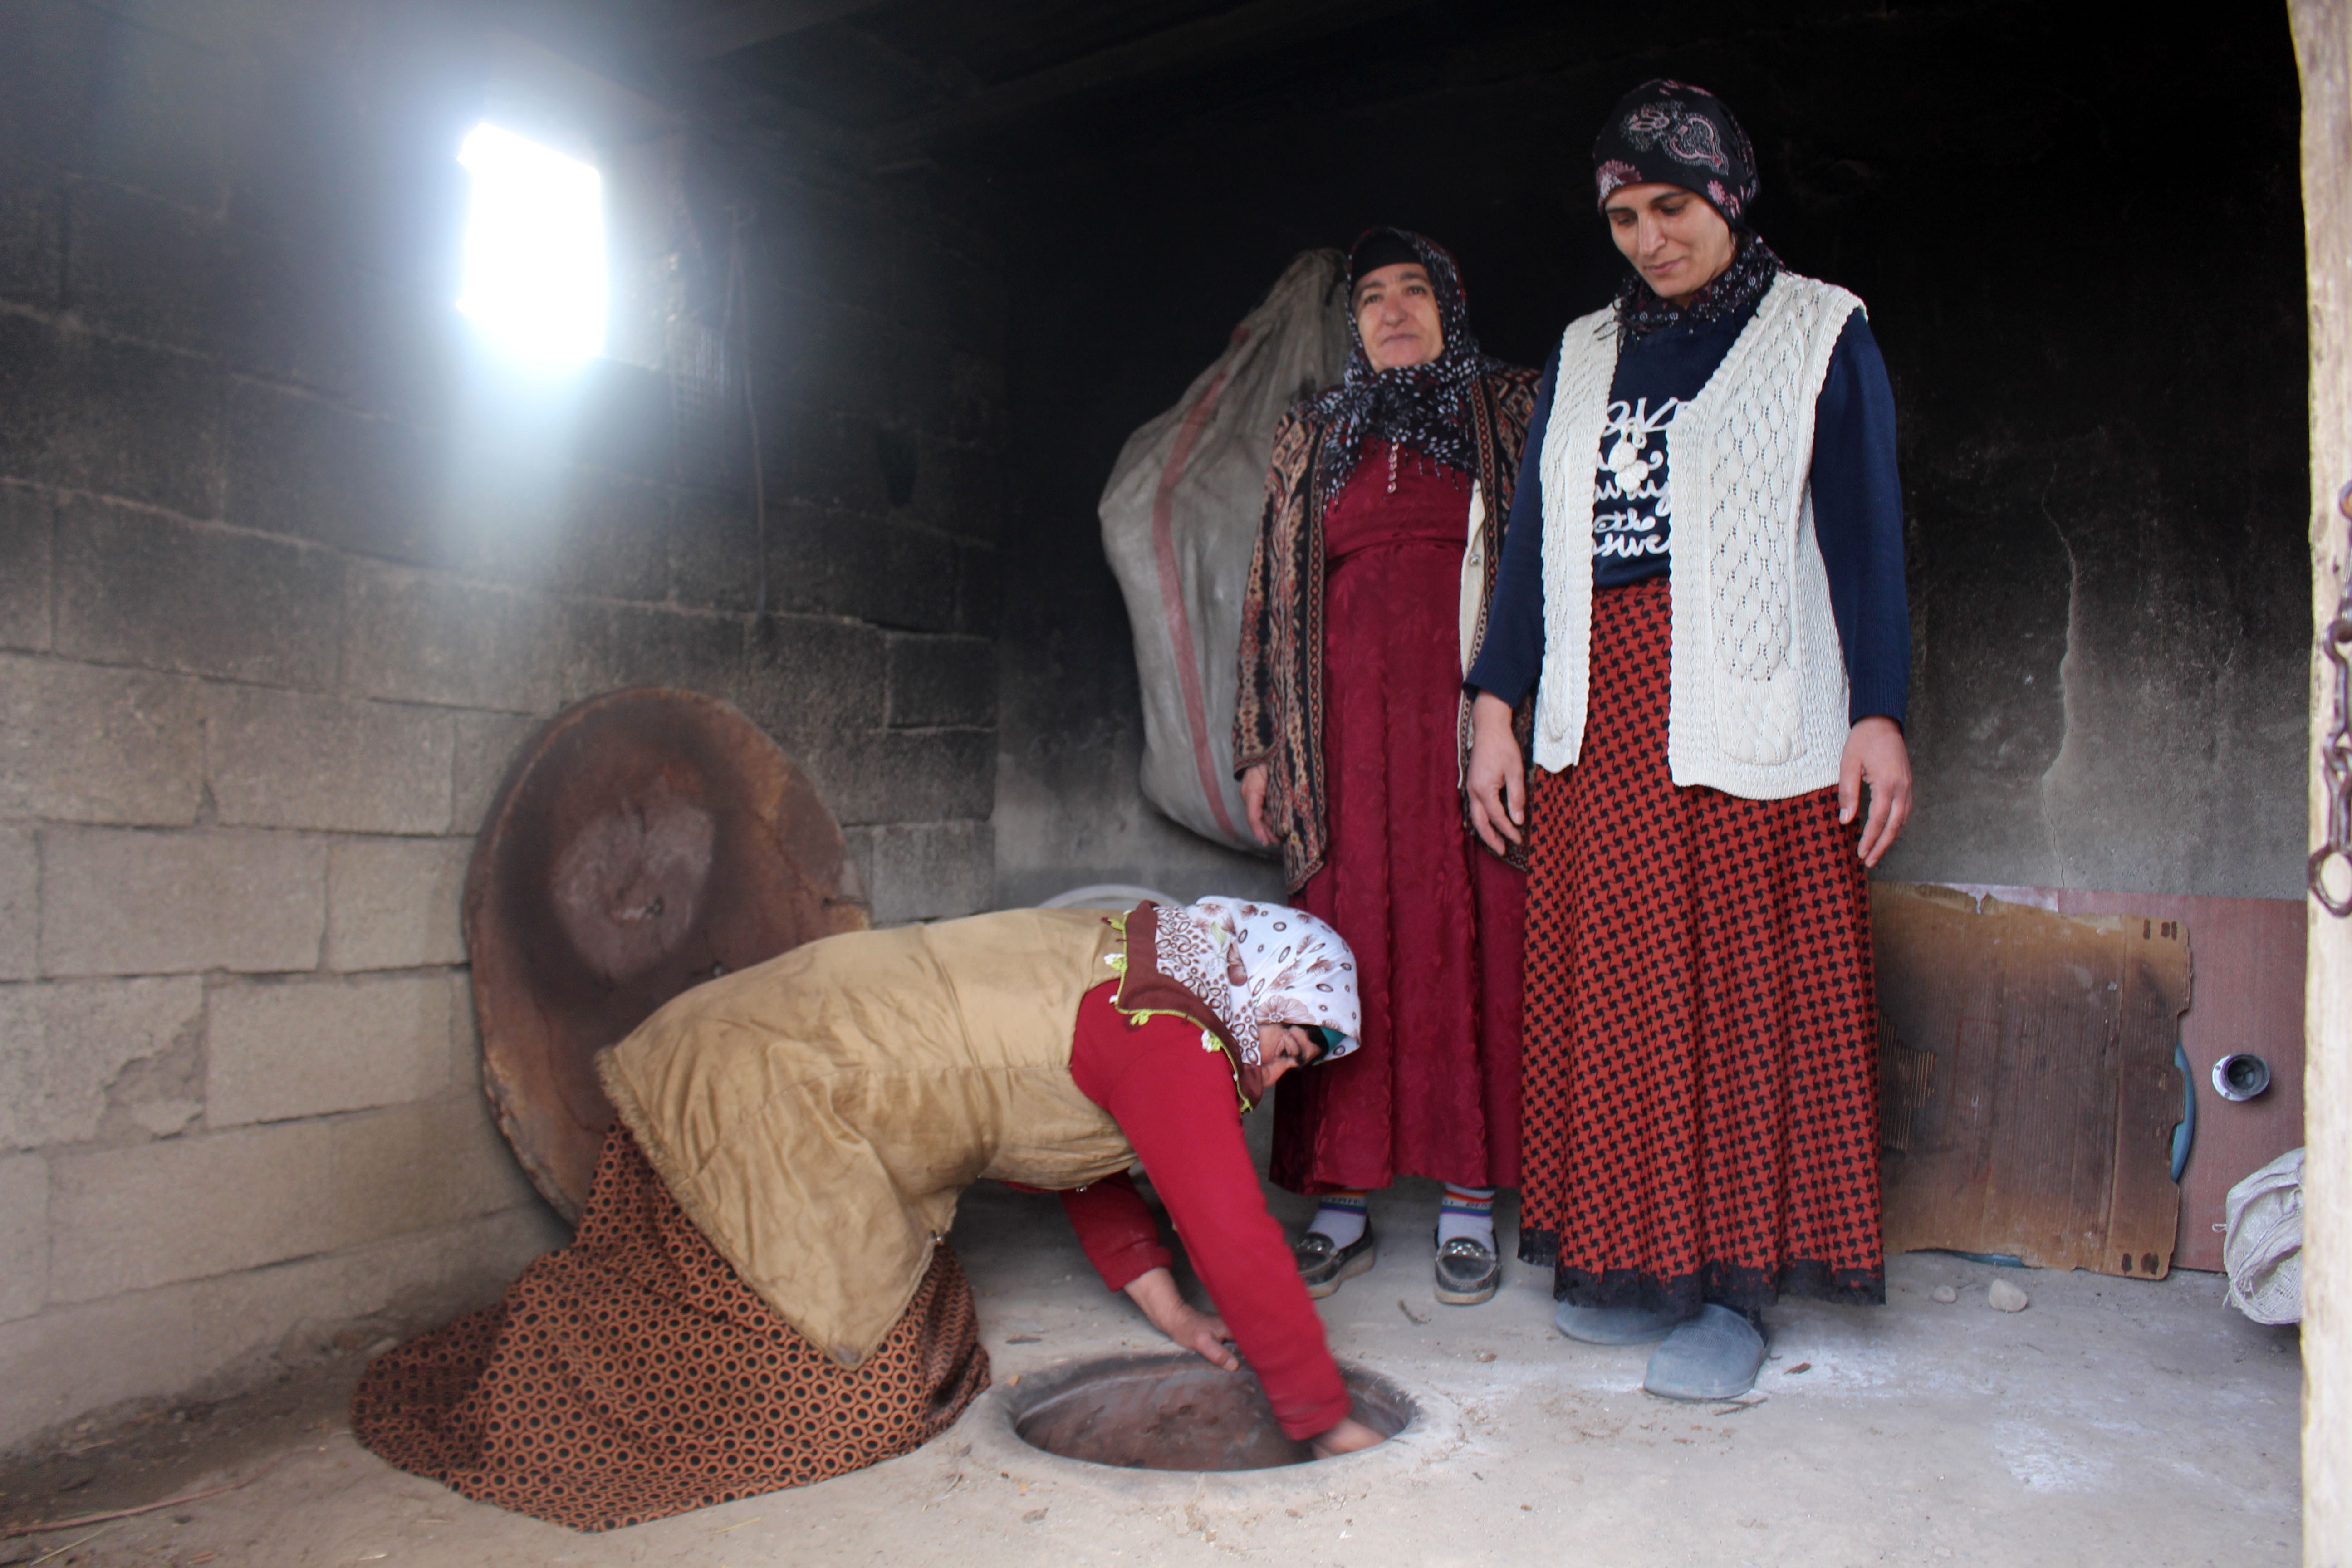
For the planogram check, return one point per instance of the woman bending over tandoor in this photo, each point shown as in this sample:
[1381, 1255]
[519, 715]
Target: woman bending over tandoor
[760, 1293]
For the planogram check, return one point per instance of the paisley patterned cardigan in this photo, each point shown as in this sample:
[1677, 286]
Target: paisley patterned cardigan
[1278, 711]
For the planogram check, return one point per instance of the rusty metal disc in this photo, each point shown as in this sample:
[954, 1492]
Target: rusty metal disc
[645, 841]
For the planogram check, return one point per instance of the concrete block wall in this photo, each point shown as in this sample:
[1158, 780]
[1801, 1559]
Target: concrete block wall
[289, 569]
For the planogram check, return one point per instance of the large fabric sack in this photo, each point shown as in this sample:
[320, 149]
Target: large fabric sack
[2262, 1252]
[1180, 518]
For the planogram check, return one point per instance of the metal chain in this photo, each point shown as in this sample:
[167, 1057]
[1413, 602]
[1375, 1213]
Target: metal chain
[2336, 750]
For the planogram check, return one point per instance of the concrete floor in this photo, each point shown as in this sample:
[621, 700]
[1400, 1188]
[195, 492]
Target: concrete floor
[2112, 1418]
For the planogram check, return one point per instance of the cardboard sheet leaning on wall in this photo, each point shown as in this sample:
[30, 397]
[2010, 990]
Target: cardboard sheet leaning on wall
[2026, 1089]
[1179, 519]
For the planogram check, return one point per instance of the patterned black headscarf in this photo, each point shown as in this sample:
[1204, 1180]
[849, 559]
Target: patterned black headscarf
[1671, 133]
[1426, 407]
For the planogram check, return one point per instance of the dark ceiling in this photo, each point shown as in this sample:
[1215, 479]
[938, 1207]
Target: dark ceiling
[929, 76]
[895, 83]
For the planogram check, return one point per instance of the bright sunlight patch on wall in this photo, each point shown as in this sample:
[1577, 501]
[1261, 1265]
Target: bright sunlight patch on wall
[534, 247]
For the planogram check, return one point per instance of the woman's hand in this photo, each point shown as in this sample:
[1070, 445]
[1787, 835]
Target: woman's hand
[1348, 1436]
[1875, 756]
[1253, 802]
[1156, 1293]
[1498, 779]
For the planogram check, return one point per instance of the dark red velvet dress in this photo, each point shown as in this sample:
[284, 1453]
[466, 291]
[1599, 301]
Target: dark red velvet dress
[1435, 920]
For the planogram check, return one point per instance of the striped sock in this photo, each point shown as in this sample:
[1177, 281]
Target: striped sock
[1466, 1211]
[1342, 1217]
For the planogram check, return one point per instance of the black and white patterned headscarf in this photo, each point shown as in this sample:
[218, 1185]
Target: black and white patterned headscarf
[1671, 133]
[1426, 407]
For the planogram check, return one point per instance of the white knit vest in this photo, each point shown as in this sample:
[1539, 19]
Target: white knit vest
[1756, 685]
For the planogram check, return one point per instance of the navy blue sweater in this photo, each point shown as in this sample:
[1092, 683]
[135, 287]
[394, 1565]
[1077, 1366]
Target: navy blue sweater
[1857, 511]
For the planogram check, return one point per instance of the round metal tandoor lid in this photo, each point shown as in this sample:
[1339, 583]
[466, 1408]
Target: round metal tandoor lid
[645, 841]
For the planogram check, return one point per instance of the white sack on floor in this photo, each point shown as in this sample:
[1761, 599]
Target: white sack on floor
[1180, 518]
[2262, 1251]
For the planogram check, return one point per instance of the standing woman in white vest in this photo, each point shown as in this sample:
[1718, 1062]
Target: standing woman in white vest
[1703, 581]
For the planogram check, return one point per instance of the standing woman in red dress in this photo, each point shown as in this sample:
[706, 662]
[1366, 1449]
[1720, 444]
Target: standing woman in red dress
[1383, 525]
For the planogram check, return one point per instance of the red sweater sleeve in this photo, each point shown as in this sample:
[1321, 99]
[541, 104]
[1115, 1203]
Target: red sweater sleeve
[1175, 1102]
[1121, 1238]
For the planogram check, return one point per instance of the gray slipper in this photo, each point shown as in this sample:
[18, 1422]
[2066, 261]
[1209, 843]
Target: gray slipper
[1715, 1355]
[1612, 1325]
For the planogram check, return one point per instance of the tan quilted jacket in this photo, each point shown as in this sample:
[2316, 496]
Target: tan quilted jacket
[818, 1116]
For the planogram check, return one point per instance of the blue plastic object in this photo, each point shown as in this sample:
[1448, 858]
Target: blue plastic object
[2184, 1135]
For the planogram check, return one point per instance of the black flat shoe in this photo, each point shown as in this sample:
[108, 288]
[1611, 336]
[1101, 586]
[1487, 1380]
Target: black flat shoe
[1323, 1262]
[1468, 1272]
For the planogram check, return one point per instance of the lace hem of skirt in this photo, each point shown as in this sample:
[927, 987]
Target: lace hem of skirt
[1741, 1287]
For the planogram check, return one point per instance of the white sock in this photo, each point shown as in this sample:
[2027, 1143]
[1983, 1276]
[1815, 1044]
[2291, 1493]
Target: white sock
[1466, 1211]
[1344, 1218]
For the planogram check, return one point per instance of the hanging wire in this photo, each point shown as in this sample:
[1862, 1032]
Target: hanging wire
[738, 319]
[2336, 750]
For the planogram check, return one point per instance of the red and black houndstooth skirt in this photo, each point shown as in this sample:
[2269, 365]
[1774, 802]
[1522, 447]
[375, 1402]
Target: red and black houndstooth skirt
[634, 1375]
[1701, 1081]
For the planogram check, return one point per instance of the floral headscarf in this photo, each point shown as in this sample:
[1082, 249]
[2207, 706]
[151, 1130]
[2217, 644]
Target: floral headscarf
[1426, 407]
[1671, 133]
[1263, 963]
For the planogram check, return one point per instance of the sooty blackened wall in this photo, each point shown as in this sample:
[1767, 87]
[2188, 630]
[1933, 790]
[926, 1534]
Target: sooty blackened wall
[2078, 234]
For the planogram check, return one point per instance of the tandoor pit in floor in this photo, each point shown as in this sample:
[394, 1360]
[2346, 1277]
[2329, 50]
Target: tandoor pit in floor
[1177, 1413]
[2110, 1417]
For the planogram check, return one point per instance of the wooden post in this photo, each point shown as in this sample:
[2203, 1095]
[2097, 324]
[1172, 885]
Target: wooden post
[2323, 41]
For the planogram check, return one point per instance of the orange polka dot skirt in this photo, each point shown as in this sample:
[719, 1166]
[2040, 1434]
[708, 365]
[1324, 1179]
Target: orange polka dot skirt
[633, 1375]
[1700, 1063]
